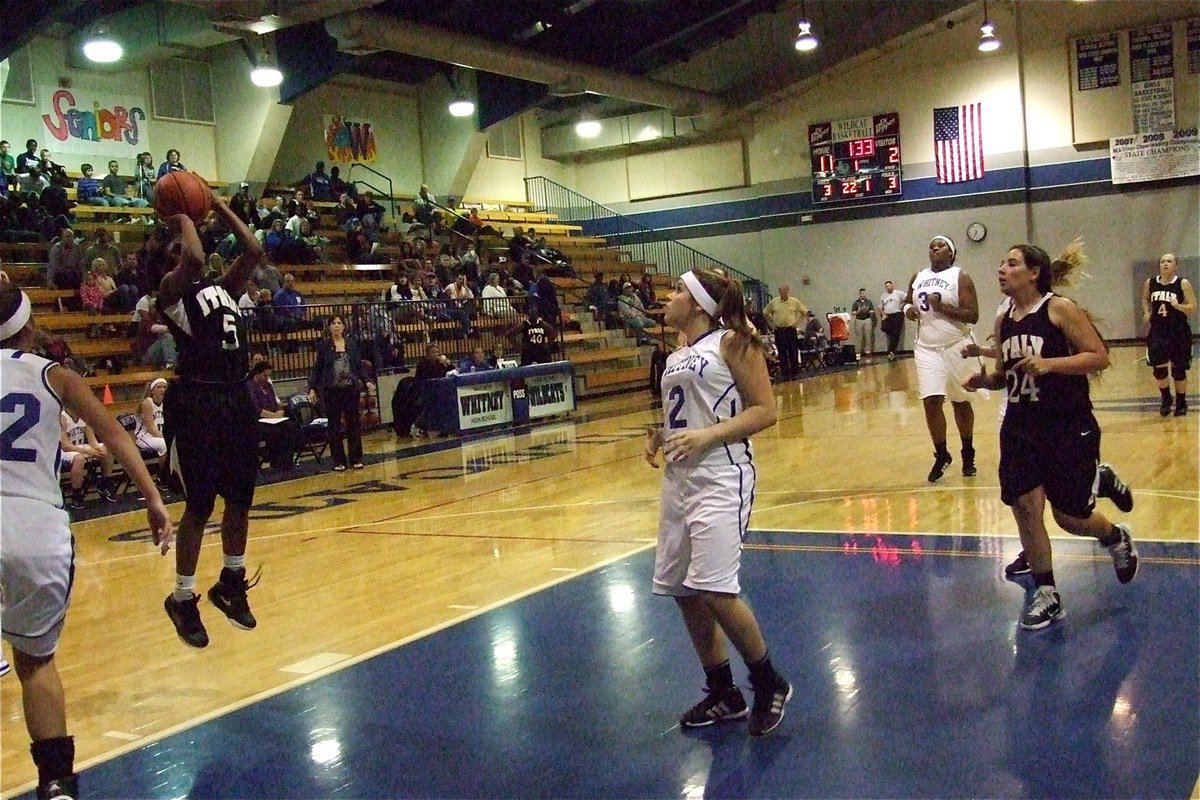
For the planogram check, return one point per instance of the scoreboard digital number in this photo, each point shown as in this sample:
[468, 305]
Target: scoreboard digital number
[856, 158]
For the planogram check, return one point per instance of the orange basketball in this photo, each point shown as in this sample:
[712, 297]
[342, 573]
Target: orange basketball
[182, 193]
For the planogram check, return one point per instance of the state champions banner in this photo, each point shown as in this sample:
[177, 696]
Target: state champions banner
[1155, 156]
[349, 141]
[107, 125]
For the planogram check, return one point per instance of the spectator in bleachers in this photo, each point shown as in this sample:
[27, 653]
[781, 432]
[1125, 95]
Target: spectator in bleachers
[244, 206]
[313, 243]
[54, 172]
[646, 293]
[371, 215]
[32, 182]
[214, 267]
[547, 298]
[154, 345]
[425, 207]
[278, 437]
[276, 242]
[144, 176]
[152, 256]
[633, 314]
[248, 302]
[598, 300]
[279, 210]
[360, 249]
[337, 378]
[462, 306]
[495, 299]
[114, 189]
[28, 161]
[287, 302]
[172, 164]
[317, 184]
[143, 305]
[91, 295]
[118, 298]
[346, 213]
[150, 417]
[102, 247]
[79, 448]
[267, 277]
[476, 362]
[64, 270]
[8, 169]
[337, 186]
[130, 280]
[524, 273]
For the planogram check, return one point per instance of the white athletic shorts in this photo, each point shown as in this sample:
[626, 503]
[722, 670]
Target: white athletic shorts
[68, 458]
[37, 568]
[704, 516]
[155, 443]
[942, 370]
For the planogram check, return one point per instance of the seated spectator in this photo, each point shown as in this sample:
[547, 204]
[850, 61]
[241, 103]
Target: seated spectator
[337, 186]
[317, 184]
[102, 247]
[89, 190]
[246, 209]
[287, 302]
[154, 345]
[54, 200]
[633, 314]
[248, 302]
[78, 448]
[313, 243]
[281, 437]
[172, 164]
[65, 267]
[813, 330]
[28, 160]
[118, 298]
[267, 277]
[8, 169]
[345, 212]
[547, 298]
[114, 188]
[130, 274]
[371, 215]
[425, 207]
[495, 299]
[524, 273]
[646, 293]
[149, 433]
[432, 367]
[276, 242]
[279, 210]
[599, 300]
[462, 307]
[91, 294]
[518, 244]
[360, 249]
[55, 173]
[145, 176]
[476, 362]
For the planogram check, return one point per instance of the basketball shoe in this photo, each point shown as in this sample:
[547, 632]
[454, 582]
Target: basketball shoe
[768, 708]
[1124, 555]
[185, 616]
[1114, 489]
[1044, 607]
[4, 667]
[718, 705]
[59, 789]
[968, 465]
[228, 594]
[940, 462]
[1019, 566]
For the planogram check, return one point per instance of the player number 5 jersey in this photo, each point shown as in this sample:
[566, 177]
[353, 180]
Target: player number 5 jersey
[698, 392]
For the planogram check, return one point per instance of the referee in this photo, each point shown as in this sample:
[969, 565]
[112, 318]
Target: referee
[783, 314]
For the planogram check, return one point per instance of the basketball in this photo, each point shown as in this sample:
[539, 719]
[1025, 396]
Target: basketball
[182, 193]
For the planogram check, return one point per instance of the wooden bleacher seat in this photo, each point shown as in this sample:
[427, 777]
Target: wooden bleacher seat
[137, 378]
[610, 379]
[48, 299]
[78, 320]
[604, 354]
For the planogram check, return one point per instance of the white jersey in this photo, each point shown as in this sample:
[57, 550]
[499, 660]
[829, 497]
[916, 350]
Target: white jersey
[29, 429]
[937, 330]
[698, 391]
[158, 419]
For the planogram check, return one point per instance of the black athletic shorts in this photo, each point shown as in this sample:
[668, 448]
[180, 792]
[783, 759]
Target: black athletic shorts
[212, 440]
[1176, 349]
[1060, 455]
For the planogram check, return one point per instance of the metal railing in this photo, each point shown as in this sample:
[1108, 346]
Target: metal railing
[647, 245]
[391, 194]
[391, 335]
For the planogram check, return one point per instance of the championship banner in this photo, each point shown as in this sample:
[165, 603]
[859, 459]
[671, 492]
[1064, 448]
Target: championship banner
[104, 126]
[483, 404]
[1155, 156]
[348, 141]
[550, 394]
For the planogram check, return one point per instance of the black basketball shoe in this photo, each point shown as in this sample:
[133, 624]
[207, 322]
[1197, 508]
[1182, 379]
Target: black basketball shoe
[768, 708]
[186, 617]
[718, 705]
[1018, 567]
[1114, 489]
[940, 462]
[59, 789]
[229, 595]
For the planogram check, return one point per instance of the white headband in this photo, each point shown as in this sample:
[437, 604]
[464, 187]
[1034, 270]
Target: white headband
[13, 325]
[154, 383]
[699, 293]
[948, 241]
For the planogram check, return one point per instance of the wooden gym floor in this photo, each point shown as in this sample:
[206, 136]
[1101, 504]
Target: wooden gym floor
[477, 621]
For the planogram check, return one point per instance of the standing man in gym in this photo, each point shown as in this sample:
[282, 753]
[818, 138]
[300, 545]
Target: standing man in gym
[783, 314]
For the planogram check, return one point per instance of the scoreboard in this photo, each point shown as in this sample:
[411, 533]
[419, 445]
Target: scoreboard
[856, 158]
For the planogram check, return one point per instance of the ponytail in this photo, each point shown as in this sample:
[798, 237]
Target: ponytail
[731, 308]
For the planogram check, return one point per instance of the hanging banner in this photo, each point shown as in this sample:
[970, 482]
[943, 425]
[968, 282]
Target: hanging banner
[1151, 55]
[1096, 61]
[483, 404]
[1193, 46]
[1155, 156]
[107, 126]
[349, 141]
[1154, 106]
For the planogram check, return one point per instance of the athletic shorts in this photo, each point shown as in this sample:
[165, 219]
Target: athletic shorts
[211, 433]
[1175, 349]
[37, 570]
[703, 519]
[1061, 455]
[942, 370]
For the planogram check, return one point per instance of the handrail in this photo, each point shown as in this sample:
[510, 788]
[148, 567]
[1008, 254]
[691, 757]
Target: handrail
[668, 255]
[453, 213]
[391, 194]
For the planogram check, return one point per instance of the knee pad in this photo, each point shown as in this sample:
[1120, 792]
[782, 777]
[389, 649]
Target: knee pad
[1178, 373]
[1160, 373]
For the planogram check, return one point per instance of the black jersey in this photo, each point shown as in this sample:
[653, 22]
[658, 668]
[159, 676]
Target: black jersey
[210, 334]
[1166, 321]
[536, 346]
[1041, 396]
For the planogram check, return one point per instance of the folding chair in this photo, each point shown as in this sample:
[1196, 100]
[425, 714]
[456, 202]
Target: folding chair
[314, 429]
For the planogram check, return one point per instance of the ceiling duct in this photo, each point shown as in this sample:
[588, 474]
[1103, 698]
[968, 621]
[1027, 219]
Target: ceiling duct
[371, 30]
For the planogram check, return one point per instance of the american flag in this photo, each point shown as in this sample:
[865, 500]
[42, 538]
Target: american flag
[958, 143]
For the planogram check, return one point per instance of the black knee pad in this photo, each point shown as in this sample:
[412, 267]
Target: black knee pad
[1178, 373]
[1160, 373]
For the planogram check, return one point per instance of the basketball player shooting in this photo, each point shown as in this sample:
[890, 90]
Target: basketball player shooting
[207, 457]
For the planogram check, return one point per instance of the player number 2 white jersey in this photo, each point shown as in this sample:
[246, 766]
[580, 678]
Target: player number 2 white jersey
[698, 391]
[29, 428]
[937, 330]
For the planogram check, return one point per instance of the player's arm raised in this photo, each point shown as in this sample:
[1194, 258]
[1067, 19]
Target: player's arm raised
[78, 396]
[189, 261]
[252, 252]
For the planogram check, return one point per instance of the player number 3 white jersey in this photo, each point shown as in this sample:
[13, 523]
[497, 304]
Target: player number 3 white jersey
[937, 330]
[698, 391]
[29, 429]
